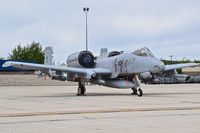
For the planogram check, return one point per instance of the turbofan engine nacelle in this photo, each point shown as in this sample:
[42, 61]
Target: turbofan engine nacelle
[146, 75]
[59, 77]
[81, 59]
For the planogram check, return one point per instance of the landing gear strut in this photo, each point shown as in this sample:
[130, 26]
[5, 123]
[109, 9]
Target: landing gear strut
[137, 90]
[81, 89]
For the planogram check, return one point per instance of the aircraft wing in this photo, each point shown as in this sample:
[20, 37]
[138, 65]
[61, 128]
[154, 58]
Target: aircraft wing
[177, 66]
[45, 68]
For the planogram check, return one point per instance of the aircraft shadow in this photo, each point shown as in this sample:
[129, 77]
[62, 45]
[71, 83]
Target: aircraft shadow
[86, 95]
[111, 94]
[172, 93]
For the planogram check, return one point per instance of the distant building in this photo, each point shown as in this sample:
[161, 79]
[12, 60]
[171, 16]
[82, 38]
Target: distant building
[7, 68]
[12, 70]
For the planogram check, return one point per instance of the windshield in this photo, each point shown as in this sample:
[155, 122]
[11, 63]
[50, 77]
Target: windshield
[143, 52]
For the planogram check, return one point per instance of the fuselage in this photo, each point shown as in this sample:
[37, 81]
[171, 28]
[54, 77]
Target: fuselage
[129, 63]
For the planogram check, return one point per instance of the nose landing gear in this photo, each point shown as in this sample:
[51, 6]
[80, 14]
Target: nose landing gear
[137, 89]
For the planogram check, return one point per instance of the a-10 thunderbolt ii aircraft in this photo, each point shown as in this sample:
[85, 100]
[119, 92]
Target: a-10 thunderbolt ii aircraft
[114, 69]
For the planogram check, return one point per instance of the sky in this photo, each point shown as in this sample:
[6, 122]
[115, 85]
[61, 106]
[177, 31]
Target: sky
[166, 27]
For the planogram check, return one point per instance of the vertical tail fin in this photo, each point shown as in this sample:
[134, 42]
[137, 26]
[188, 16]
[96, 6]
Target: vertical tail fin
[48, 56]
[103, 53]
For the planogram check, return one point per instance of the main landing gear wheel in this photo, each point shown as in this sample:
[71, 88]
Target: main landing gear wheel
[81, 89]
[139, 92]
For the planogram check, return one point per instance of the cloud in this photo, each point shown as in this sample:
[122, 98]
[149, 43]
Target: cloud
[159, 25]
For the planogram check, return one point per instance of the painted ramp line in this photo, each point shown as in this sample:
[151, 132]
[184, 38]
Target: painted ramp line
[99, 111]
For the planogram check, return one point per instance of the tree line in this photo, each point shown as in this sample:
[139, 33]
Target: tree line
[31, 52]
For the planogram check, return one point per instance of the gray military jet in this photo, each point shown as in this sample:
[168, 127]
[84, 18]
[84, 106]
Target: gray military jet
[114, 69]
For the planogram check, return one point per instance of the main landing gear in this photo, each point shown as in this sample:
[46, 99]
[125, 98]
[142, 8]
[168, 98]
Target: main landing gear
[137, 90]
[81, 89]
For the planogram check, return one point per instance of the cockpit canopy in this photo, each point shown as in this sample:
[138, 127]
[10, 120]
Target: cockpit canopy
[143, 52]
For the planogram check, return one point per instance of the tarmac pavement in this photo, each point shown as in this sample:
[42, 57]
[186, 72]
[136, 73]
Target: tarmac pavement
[50, 109]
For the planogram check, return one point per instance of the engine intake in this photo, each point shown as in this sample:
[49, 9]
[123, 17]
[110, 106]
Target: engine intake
[81, 59]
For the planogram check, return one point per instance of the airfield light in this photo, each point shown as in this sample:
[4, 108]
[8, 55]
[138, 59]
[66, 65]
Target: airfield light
[86, 10]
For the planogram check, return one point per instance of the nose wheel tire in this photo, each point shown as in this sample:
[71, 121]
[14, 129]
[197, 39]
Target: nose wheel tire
[134, 91]
[137, 92]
